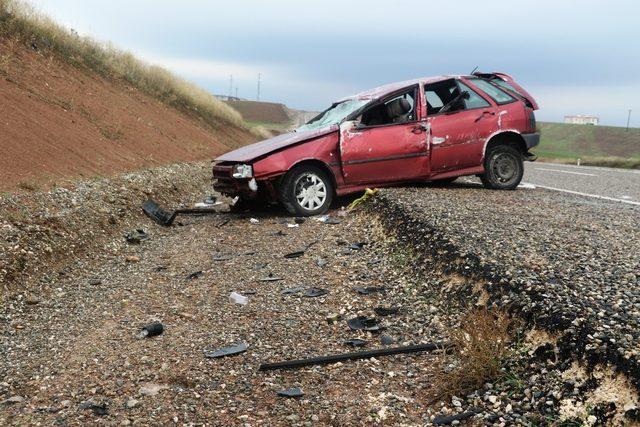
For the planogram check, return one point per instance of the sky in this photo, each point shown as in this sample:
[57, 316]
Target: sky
[575, 57]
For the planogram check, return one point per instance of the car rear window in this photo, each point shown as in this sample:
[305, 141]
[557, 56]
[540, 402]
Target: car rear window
[498, 95]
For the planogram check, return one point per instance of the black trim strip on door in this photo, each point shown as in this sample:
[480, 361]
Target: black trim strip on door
[383, 159]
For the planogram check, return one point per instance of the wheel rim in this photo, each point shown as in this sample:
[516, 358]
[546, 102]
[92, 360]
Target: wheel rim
[310, 191]
[504, 168]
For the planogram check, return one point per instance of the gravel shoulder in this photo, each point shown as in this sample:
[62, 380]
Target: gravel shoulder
[71, 355]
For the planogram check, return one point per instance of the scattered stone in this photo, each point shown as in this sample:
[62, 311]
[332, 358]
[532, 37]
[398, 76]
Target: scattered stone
[291, 392]
[132, 258]
[152, 389]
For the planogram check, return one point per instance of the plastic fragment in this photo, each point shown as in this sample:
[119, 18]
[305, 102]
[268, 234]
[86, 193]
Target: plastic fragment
[386, 311]
[296, 254]
[291, 392]
[363, 323]
[315, 292]
[238, 299]
[151, 330]
[369, 290]
[355, 342]
[230, 350]
[254, 221]
[195, 275]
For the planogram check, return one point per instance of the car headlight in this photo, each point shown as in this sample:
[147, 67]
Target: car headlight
[242, 171]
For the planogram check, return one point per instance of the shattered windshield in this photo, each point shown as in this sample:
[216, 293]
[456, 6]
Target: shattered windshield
[334, 115]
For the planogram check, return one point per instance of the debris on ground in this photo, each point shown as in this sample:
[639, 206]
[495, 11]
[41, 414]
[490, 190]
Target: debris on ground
[165, 218]
[97, 408]
[315, 292]
[237, 298]
[369, 290]
[333, 318]
[386, 311]
[355, 342]
[254, 220]
[296, 254]
[151, 330]
[291, 392]
[325, 360]
[135, 237]
[230, 350]
[270, 278]
[195, 275]
[366, 196]
[363, 323]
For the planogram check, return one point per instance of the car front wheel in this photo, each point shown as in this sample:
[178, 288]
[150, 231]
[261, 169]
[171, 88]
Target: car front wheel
[504, 168]
[307, 190]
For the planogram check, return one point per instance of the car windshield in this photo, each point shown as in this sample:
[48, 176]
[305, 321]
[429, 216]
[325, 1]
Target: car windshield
[334, 115]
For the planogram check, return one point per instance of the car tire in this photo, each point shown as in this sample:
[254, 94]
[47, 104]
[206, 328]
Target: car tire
[306, 190]
[504, 168]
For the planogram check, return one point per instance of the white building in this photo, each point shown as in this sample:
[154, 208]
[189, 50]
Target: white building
[582, 120]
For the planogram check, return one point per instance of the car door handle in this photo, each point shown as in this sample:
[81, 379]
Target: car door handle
[485, 113]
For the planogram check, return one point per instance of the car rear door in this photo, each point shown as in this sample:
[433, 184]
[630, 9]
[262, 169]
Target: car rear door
[387, 152]
[457, 137]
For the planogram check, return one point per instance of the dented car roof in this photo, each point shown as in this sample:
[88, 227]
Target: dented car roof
[392, 87]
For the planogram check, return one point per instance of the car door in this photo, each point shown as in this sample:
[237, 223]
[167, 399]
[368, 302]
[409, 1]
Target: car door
[457, 137]
[385, 152]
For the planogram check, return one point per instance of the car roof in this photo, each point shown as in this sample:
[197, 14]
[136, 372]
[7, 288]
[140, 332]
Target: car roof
[380, 91]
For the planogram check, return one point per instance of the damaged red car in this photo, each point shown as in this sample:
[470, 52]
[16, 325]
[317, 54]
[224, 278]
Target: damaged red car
[430, 129]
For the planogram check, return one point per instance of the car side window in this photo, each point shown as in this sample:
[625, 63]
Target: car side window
[498, 95]
[475, 100]
[441, 95]
[396, 110]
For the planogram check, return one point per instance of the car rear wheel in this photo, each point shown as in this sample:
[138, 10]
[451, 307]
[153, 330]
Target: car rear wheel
[504, 168]
[306, 190]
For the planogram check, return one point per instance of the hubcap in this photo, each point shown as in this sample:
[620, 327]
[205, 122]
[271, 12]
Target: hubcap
[504, 168]
[310, 191]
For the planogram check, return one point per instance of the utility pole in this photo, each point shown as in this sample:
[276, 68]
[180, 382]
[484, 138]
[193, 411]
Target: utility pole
[230, 86]
[259, 78]
[628, 120]
[236, 93]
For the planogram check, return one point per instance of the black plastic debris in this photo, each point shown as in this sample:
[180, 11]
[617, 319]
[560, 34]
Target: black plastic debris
[325, 360]
[357, 246]
[230, 350]
[296, 254]
[355, 342]
[220, 258]
[369, 290]
[136, 236]
[160, 268]
[99, 409]
[291, 392]
[386, 311]
[195, 275]
[270, 278]
[152, 330]
[279, 233]
[249, 292]
[332, 221]
[299, 220]
[291, 291]
[223, 223]
[442, 420]
[363, 323]
[386, 340]
[315, 292]
[166, 218]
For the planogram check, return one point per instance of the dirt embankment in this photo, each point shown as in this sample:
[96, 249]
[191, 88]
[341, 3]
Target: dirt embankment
[58, 122]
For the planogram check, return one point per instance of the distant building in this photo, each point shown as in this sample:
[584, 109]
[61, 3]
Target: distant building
[582, 120]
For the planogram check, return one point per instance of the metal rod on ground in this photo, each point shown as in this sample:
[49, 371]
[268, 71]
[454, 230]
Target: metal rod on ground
[325, 360]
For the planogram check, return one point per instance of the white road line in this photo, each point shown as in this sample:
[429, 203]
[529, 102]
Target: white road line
[593, 168]
[561, 171]
[595, 196]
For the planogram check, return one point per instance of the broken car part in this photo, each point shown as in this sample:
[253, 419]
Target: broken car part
[230, 350]
[315, 292]
[236, 298]
[355, 342]
[151, 330]
[324, 360]
[296, 254]
[165, 218]
[291, 392]
[386, 311]
[270, 278]
[136, 236]
[363, 323]
[369, 290]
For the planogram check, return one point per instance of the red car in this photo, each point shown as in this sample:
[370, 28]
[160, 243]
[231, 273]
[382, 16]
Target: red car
[430, 129]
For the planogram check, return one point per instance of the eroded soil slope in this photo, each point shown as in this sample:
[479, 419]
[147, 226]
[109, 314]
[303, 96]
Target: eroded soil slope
[58, 122]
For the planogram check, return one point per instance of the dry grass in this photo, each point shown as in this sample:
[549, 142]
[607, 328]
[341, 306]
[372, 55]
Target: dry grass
[480, 346]
[19, 21]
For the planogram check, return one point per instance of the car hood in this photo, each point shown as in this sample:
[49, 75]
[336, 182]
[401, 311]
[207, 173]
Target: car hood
[259, 149]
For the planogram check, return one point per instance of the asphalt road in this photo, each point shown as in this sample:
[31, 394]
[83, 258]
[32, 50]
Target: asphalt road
[621, 185]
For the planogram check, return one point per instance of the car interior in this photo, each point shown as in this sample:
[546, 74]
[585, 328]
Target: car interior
[441, 94]
[397, 110]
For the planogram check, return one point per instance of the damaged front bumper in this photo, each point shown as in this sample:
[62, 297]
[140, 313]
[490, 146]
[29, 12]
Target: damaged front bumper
[225, 183]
